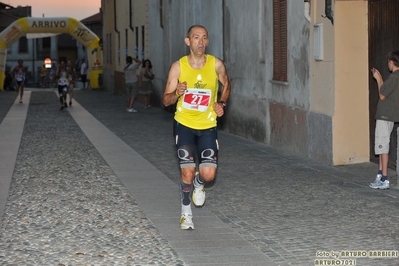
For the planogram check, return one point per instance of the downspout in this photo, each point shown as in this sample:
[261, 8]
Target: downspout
[130, 15]
[116, 28]
[307, 11]
[328, 11]
[117, 31]
[33, 58]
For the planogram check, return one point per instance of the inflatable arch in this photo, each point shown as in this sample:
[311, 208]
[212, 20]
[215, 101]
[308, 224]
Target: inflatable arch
[72, 26]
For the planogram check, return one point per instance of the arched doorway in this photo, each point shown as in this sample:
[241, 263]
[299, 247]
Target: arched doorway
[71, 26]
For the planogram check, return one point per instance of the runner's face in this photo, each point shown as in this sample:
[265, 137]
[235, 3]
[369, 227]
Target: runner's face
[198, 40]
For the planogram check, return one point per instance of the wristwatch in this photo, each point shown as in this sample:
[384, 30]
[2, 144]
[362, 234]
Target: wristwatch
[223, 103]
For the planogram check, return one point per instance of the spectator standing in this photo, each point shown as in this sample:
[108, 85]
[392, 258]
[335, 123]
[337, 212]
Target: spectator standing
[387, 114]
[131, 82]
[145, 82]
[43, 74]
[83, 73]
[53, 78]
[8, 81]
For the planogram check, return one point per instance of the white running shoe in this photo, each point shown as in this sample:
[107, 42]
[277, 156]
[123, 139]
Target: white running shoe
[380, 184]
[186, 221]
[377, 178]
[199, 195]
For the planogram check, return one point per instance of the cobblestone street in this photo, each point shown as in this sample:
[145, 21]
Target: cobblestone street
[71, 203]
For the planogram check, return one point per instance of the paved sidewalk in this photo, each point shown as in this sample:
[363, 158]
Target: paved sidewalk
[11, 133]
[266, 207]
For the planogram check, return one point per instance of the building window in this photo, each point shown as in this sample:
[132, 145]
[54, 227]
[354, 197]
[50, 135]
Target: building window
[119, 48]
[108, 46]
[280, 40]
[23, 45]
[46, 43]
[106, 60]
[62, 59]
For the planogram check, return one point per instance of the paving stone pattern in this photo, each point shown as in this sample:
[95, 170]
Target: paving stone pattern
[67, 207]
[287, 206]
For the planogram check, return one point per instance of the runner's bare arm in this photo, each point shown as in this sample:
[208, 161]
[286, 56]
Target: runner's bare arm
[171, 94]
[226, 87]
[224, 80]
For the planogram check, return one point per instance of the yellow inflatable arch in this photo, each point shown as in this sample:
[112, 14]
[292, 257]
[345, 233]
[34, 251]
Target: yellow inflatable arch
[72, 26]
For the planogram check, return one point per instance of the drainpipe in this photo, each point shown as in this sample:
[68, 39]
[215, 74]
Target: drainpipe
[307, 11]
[116, 28]
[130, 15]
[328, 11]
[117, 31]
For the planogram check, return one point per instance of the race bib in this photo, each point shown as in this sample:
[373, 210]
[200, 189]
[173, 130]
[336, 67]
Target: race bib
[19, 76]
[62, 81]
[63, 78]
[197, 99]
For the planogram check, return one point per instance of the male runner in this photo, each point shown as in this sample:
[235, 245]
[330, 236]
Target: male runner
[193, 83]
[19, 75]
[62, 74]
[71, 80]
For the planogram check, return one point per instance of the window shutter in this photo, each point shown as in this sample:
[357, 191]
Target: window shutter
[280, 40]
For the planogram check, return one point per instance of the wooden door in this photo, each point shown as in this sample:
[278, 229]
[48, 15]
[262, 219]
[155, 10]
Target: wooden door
[383, 38]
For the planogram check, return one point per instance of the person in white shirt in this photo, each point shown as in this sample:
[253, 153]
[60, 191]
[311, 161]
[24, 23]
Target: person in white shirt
[83, 73]
[131, 81]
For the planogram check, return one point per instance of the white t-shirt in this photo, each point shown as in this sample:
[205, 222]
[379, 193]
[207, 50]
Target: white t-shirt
[130, 72]
[83, 69]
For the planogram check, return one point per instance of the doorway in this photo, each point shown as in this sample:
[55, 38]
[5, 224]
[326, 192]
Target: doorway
[383, 38]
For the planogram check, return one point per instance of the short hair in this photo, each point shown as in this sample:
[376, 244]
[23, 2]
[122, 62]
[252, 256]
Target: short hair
[195, 26]
[129, 59]
[394, 57]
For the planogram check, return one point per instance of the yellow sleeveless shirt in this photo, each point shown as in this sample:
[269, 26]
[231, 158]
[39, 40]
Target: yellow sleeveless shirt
[194, 108]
